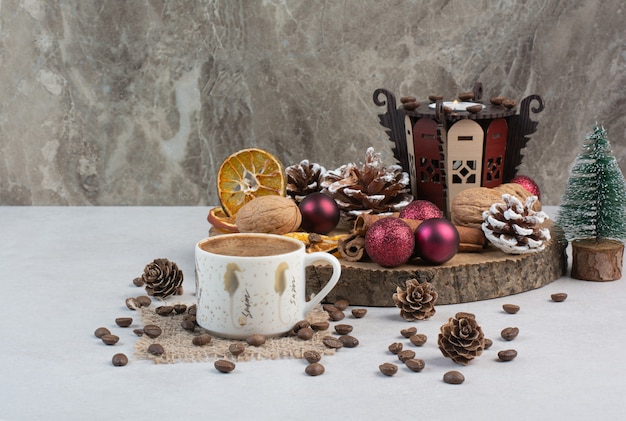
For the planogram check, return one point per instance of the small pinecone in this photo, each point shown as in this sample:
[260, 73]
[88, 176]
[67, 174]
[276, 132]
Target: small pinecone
[303, 179]
[417, 302]
[461, 339]
[163, 278]
[514, 227]
[371, 188]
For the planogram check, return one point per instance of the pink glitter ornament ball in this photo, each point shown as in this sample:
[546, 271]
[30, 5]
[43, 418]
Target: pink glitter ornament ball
[436, 240]
[421, 210]
[389, 242]
[528, 183]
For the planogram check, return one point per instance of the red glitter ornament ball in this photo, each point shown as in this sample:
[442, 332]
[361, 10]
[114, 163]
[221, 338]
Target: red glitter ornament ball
[389, 242]
[528, 183]
[320, 213]
[436, 240]
[421, 210]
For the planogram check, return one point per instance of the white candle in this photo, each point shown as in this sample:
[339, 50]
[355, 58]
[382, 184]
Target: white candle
[456, 105]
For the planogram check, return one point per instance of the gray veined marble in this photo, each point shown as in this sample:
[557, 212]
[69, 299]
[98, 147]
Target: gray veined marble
[138, 102]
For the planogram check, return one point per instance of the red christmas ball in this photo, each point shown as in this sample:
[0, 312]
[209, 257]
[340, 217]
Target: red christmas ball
[528, 183]
[421, 210]
[389, 242]
[436, 240]
[320, 213]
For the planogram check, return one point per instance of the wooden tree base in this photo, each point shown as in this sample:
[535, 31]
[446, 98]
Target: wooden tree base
[597, 260]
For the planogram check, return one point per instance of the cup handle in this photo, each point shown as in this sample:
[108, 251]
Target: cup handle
[311, 258]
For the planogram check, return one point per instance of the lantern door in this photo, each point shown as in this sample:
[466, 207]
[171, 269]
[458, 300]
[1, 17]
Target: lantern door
[495, 148]
[428, 160]
[464, 157]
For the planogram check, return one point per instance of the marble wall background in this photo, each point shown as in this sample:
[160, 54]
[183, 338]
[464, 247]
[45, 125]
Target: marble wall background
[138, 102]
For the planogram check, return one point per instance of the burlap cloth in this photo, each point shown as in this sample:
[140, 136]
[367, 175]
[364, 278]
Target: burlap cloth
[178, 346]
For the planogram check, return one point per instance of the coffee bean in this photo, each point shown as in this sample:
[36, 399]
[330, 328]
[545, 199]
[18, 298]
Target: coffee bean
[405, 355]
[388, 369]
[101, 331]
[336, 315]
[329, 307]
[119, 360]
[180, 308]
[224, 366]
[418, 339]
[110, 339]
[188, 325]
[454, 377]
[301, 324]
[202, 339]
[507, 354]
[144, 301]
[332, 342]
[415, 364]
[488, 343]
[138, 282]
[407, 333]
[256, 340]
[395, 347]
[138, 332]
[341, 304]
[132, 303]
[343, 329]
[510, 308]
[164, 310]
[237, 348]
[305, 333]
[349, 341]
[509, 333]
[124, 321]
[359, 313]
[312, 356]
[156, 349]
[192, 309]
[152, 331]
[319, 326]
[314, 369]
[558, 297]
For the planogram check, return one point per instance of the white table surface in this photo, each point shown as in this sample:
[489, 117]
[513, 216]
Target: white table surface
[67, 270]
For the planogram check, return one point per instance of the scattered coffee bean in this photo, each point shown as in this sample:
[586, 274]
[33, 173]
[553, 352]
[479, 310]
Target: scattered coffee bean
[405, 355]
[124, 321]
[341, 304]
[509, 333]
[343, 329]
[336, 315]
[319, 326]
[301, 324]
[306, 333]
[558, 297]
[237, 348]
[224, 366]
[180, 308]
[138, 332]
[388, 369]
[395, 347]
[415, 364]
[507, 354]
[407, 99]
[349, 341]
[510, 308]
[408, 332]
[132, 303]
[359, 313]
[119, 360]
[454, 377]
[314, 369]
[152, 331]
[101, 331]
[110, 339]
[410, 106]
[192, 309]
[188, 325]
[488, 343]
[202, 339]
[332, 342]
[138, 282]
[256, 340]
[144, 301]
[156, 349]
[164, 310]
[329, 307]
[418, 339]
[312, 356]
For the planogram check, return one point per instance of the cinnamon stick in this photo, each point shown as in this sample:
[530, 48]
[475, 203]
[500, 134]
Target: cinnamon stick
[352, 247]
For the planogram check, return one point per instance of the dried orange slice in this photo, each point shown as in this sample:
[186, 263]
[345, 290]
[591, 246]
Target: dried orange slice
[219, 220]
[247, 174]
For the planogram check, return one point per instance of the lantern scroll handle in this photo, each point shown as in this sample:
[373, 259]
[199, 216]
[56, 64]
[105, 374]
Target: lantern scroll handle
[524, 109]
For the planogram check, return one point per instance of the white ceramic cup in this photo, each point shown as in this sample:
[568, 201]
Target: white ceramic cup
[255, 284]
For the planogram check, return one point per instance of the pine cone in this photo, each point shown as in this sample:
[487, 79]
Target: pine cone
[372, 188]
[461, 339]
[163, 278]
[417, 302]
[515, 228]
[303, 179]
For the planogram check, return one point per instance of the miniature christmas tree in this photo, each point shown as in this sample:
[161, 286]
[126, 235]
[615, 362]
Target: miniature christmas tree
[593, 210]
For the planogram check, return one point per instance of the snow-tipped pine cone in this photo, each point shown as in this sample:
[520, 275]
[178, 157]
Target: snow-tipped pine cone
[163, 278]
[417, 301]
[461, 339]
[303, 179]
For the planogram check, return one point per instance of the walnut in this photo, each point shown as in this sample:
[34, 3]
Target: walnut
[270, 214]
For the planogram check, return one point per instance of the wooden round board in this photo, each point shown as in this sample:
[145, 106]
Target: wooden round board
[466, 277]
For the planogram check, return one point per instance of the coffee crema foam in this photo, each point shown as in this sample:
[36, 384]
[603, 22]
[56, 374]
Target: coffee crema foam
[244, 246]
